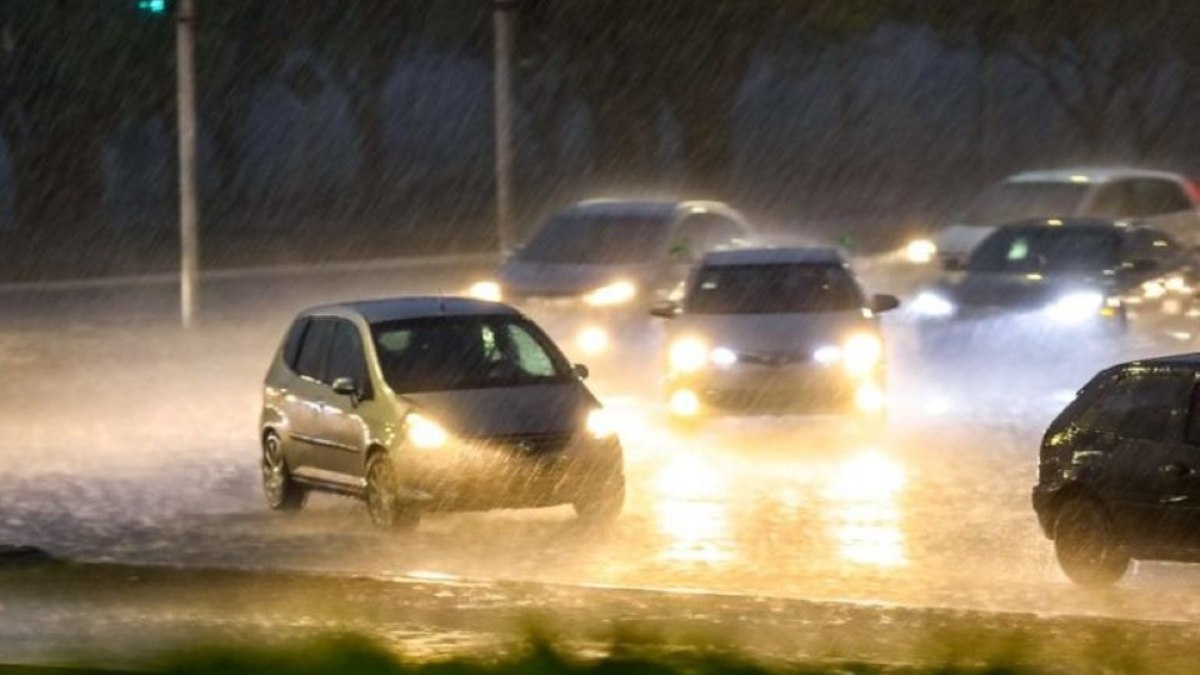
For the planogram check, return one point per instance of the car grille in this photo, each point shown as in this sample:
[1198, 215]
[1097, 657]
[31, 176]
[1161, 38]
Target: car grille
[773, 358]
[530, 445]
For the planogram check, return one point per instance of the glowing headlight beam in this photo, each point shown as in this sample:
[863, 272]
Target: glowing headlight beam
[932, 304]
[723, 357]
[600, 424]
[425, 433]
[1076, 307]
[616, 293]
[920, 251]
[861, 353]
[687, 355]
[486, 290]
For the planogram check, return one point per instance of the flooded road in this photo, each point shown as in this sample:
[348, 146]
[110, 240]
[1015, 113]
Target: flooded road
[127, 439]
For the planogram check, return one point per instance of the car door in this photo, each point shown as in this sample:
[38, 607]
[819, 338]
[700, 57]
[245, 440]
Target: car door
[306, 397]
[1181, 480]
[1144, 416]
[343, 432]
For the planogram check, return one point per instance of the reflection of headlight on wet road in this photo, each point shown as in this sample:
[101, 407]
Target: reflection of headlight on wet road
[1076, 307]
[920, 251]
[616, 293]
[684, 403]
[869, 397]
[931, 304]
[592, 340]
[486, 290]
[687, 355]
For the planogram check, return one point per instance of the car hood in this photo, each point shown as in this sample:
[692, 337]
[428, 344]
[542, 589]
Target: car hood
[1017, 291]
[531, 278]
[508, 411]
[771, 333]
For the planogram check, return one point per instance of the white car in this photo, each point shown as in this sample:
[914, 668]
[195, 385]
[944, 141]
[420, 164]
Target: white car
[592, 268]
[1166, 201]
[774, 330]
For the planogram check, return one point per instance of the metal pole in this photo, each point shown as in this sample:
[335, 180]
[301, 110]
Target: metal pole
[503, 12]
[189, 247]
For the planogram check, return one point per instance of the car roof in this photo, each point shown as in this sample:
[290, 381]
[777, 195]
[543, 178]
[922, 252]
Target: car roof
[774, 256]
[648, 208]
[1083, 175]
[1068, 222]
[418, 307]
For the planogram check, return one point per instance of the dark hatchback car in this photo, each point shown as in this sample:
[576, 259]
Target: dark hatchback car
[1119, 474]
[420, 404]
[1055, 282]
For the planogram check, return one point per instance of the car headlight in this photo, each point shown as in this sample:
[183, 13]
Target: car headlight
[928, 303]
[486, 290]
[592, 340]
[424, 433]
[1076, 307]
[687, 355]
[600, 424]
[861, 353]
[616, 293]
[920, 251]
[828, 354]
[723, 357]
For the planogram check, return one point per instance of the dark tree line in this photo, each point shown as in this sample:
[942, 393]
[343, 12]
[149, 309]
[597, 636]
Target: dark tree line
[73, 71]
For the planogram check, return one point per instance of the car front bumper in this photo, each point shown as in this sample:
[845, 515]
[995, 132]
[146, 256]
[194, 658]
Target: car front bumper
[796, 388]
[511, 473]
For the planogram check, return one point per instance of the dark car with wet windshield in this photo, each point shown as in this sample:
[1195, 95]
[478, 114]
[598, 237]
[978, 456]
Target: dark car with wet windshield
[591, 268]
[785, 330]
[1057, 281]
[423, 404]
[1119, 470]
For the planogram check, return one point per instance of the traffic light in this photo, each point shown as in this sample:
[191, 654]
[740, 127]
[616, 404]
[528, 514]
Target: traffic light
[154, 7]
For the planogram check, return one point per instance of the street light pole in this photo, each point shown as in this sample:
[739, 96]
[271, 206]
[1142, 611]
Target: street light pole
[503, 17]
[189, 247]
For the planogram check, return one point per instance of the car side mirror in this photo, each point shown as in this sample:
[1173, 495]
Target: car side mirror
[884, 303]
[954, 264]
[665, 309]
[580, 371]
[345, 386]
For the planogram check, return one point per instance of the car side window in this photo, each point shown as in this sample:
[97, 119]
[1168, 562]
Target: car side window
[1156, 197]
[291, 345]
[1148, 244]
[1142, 406]
[1193, 425]
[527, 354]
[311, 361]
[701, 233]
[346, 357]
[1114, 200]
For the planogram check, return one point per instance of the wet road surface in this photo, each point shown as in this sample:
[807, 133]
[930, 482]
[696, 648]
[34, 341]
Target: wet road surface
[127, 439]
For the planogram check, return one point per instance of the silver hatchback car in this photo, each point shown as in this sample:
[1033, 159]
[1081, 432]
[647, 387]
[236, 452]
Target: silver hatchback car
[419, 404]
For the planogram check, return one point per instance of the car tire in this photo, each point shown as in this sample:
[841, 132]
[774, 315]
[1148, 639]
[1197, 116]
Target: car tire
[601, 505]
[281, 491]
[1086, 546]
[384, 506]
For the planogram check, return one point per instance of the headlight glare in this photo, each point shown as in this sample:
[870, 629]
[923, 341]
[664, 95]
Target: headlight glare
[920, 251]
[861, 353]
[486, 290]
[616, 293]
[1076, 307]
[687, 355]
[424, 433]
[932, 304]
[827, 355]
[600, 424]
[723, 357]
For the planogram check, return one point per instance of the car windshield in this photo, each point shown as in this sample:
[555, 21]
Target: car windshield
[773, 289]
[589, 239]
[1019, 200]
[467, 352]
[1046, 250]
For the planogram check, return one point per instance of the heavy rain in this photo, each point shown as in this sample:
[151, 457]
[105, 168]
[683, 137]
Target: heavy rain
[750, 320]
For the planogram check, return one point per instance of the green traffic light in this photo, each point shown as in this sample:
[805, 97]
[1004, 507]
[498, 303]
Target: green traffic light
[152, 6]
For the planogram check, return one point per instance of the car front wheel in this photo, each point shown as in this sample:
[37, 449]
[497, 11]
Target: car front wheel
[603, 504]
[1086, 546]
[384, 504]
[282, 493]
